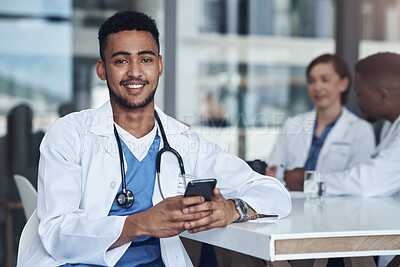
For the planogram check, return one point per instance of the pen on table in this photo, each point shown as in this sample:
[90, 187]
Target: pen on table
[259, 215]
[284, 167]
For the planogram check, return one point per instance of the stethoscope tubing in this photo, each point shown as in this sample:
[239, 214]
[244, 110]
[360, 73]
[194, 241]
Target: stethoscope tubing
[121, 160]
[166, 148]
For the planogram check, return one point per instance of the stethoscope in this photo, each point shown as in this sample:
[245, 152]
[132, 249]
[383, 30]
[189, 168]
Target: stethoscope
[126, 197]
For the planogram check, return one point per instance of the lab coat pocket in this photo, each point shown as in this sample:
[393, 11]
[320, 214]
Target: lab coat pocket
[341, 148]
[338, 157]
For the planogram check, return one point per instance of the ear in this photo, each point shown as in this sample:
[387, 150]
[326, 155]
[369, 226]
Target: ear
[384, 94]
[160, 66]
[101, 70]
[344, 83]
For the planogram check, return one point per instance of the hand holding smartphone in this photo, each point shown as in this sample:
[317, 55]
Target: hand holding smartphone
[201, 187]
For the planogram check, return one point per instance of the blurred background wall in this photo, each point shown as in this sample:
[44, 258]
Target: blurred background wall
[234, 69]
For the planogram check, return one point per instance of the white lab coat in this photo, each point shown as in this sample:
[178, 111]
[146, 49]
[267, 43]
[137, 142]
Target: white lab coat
[350, 142]
[379, 176]
[79, 175]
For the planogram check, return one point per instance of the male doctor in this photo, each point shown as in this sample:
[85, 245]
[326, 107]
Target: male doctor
[84, 220]
[377, 84]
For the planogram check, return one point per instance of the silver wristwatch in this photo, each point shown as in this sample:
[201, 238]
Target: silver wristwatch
[242, 209]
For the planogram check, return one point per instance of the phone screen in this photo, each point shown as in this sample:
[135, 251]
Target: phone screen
[201, 187]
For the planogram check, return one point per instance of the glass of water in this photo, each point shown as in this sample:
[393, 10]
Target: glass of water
[314, 185]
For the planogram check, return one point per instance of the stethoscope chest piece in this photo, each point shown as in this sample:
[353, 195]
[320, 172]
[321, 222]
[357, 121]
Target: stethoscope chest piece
[125, 199]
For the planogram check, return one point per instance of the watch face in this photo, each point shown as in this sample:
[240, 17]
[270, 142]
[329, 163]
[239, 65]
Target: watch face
[242, 206]
[242, 209]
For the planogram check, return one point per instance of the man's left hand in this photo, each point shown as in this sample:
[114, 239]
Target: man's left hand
[223, 213]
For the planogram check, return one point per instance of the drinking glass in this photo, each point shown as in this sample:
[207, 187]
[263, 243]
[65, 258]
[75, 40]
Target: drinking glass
[314, 185]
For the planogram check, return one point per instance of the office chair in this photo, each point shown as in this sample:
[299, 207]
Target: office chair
[28, 233]
[27, 193]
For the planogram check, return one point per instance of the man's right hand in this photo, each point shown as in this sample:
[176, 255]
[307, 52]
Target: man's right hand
[165, 219]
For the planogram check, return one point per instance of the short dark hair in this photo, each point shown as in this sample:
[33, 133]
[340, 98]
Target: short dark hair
[381, 68]
[340, 67]
[127, 21]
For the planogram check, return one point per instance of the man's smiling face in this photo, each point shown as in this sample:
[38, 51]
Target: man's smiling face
[132, 68]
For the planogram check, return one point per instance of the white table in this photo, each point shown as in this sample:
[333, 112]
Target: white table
[335, 227]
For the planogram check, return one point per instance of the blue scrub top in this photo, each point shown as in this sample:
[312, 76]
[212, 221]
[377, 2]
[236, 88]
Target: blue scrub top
[316, 145]
[140, 179]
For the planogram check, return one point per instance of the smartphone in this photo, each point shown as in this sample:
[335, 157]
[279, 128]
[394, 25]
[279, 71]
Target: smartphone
[201, 187]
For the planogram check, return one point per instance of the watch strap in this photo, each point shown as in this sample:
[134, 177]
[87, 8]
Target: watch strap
[242, 208]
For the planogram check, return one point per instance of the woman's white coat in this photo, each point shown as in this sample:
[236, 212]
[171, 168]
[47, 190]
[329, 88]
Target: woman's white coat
[350, 142]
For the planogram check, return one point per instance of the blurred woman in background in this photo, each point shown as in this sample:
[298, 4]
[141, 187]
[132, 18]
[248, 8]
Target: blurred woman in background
[330, 137]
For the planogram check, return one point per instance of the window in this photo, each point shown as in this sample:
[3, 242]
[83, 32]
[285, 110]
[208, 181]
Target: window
[35, 58]
[241, 67]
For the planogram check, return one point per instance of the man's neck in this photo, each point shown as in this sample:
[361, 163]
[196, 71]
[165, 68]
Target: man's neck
[137, 122]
